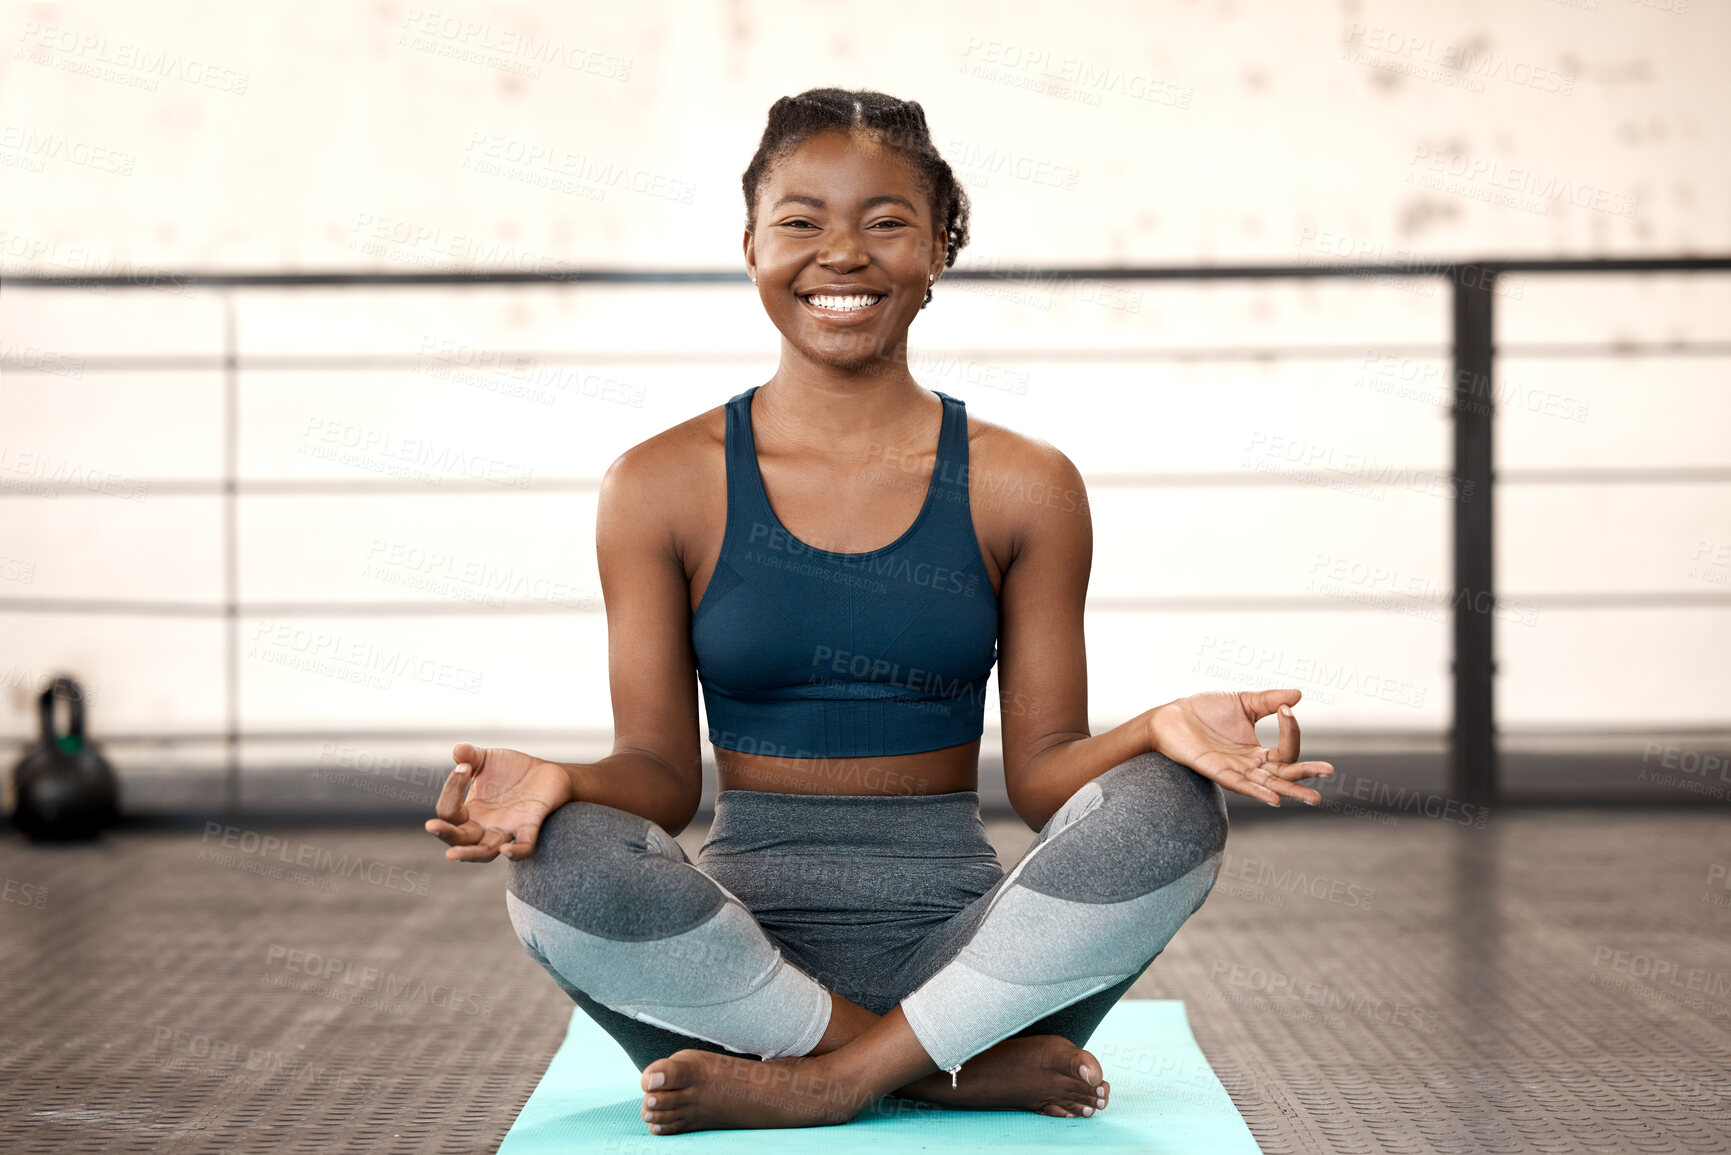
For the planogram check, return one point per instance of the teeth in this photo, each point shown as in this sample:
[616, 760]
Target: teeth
[843, 304]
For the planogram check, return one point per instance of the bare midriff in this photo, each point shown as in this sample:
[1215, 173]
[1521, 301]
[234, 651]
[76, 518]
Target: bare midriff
[946, 771]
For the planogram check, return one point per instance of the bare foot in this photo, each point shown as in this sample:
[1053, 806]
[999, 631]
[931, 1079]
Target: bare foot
[701, 1090]
[1044, 1073]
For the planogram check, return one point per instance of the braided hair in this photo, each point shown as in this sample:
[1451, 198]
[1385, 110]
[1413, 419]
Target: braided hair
[897, 124]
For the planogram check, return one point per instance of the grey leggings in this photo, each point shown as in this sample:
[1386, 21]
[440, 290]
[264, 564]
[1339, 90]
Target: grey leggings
[883, 900]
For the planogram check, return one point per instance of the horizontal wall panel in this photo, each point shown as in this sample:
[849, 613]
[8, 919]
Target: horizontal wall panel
[1614, 538]
[1357, 671]
[109, 433]
[454, 550]
[1612, 413]
[1306, 541]
[395, 673]
[168, 316]
[159, 548]
[143, 675]
[1614, 669]
[1614, 308]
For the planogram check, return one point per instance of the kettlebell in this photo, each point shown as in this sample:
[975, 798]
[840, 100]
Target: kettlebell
[63, 788]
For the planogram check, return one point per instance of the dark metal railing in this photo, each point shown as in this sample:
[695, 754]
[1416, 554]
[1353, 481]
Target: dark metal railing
[1472, 734]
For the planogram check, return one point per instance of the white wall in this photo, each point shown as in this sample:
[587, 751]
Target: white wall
[342, 138]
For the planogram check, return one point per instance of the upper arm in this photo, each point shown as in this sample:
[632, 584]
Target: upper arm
[1042, 661]
[650, 662]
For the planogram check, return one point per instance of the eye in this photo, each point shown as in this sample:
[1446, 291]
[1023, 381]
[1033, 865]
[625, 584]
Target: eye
[797, 221]
[894, 224]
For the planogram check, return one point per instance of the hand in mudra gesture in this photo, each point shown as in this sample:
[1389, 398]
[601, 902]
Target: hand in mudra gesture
[494, 802]
[1215, 735]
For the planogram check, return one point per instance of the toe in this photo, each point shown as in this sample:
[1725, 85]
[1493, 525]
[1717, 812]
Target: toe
[1058, 1111]
[676, 1072]
[1086, 1067]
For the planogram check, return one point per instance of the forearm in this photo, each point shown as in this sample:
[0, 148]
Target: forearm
[1062, 767]
[641, 783]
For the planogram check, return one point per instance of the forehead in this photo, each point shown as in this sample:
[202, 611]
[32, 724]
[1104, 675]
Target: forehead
[843, 168]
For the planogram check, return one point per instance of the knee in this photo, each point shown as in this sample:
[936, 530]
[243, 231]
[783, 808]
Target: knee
[1139, 827]
[612, 874]
[1186, 811]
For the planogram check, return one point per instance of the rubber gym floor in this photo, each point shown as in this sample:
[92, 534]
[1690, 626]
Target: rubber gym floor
[1556, 981]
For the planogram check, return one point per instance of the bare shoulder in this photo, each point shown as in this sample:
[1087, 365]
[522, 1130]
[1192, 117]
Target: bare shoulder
[664, 483]
[1021, 475]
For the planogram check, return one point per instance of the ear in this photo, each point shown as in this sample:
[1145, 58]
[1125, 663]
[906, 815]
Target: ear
[751, 254]
[941, 243]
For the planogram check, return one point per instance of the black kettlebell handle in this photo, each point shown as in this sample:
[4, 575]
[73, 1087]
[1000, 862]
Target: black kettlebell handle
[74, 695]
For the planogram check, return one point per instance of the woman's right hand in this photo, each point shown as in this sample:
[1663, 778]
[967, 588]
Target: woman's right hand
[494, 802]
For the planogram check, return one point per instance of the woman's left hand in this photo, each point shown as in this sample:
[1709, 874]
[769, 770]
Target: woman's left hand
[1214, 734]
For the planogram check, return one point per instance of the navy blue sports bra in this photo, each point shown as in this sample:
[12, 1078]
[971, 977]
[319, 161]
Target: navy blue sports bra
[806, 653]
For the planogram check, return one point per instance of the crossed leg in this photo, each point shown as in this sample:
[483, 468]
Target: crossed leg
[658, 946]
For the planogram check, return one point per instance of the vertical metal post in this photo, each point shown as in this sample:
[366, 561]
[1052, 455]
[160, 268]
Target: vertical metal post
[230, 556]
[1472, 740]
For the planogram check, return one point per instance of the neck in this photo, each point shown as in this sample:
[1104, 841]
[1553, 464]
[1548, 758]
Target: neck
[810, 402]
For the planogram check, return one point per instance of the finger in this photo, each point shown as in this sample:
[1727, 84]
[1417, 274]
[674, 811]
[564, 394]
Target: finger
[1286, 789]
[1286, 749]
[468, 834]
[485, 850]
[1298, 771]
[1240, 784]
[450, 804]
[523, 845]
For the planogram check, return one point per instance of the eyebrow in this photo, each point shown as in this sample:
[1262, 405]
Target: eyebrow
[868, 203]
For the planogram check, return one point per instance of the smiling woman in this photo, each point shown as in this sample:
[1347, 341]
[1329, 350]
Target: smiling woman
[847, 919]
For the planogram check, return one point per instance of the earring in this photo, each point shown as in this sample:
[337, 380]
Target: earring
[754, 280]
[930, 277]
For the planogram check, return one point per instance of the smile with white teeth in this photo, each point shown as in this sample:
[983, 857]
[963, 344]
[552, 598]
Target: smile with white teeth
[849, 304]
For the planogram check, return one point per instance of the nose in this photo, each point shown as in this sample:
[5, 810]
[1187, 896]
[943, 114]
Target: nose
[843, 249]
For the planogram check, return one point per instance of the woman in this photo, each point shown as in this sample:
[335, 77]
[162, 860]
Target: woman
[846, 931]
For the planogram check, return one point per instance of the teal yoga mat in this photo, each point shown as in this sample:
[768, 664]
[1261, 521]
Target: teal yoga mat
[1165, 1098]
